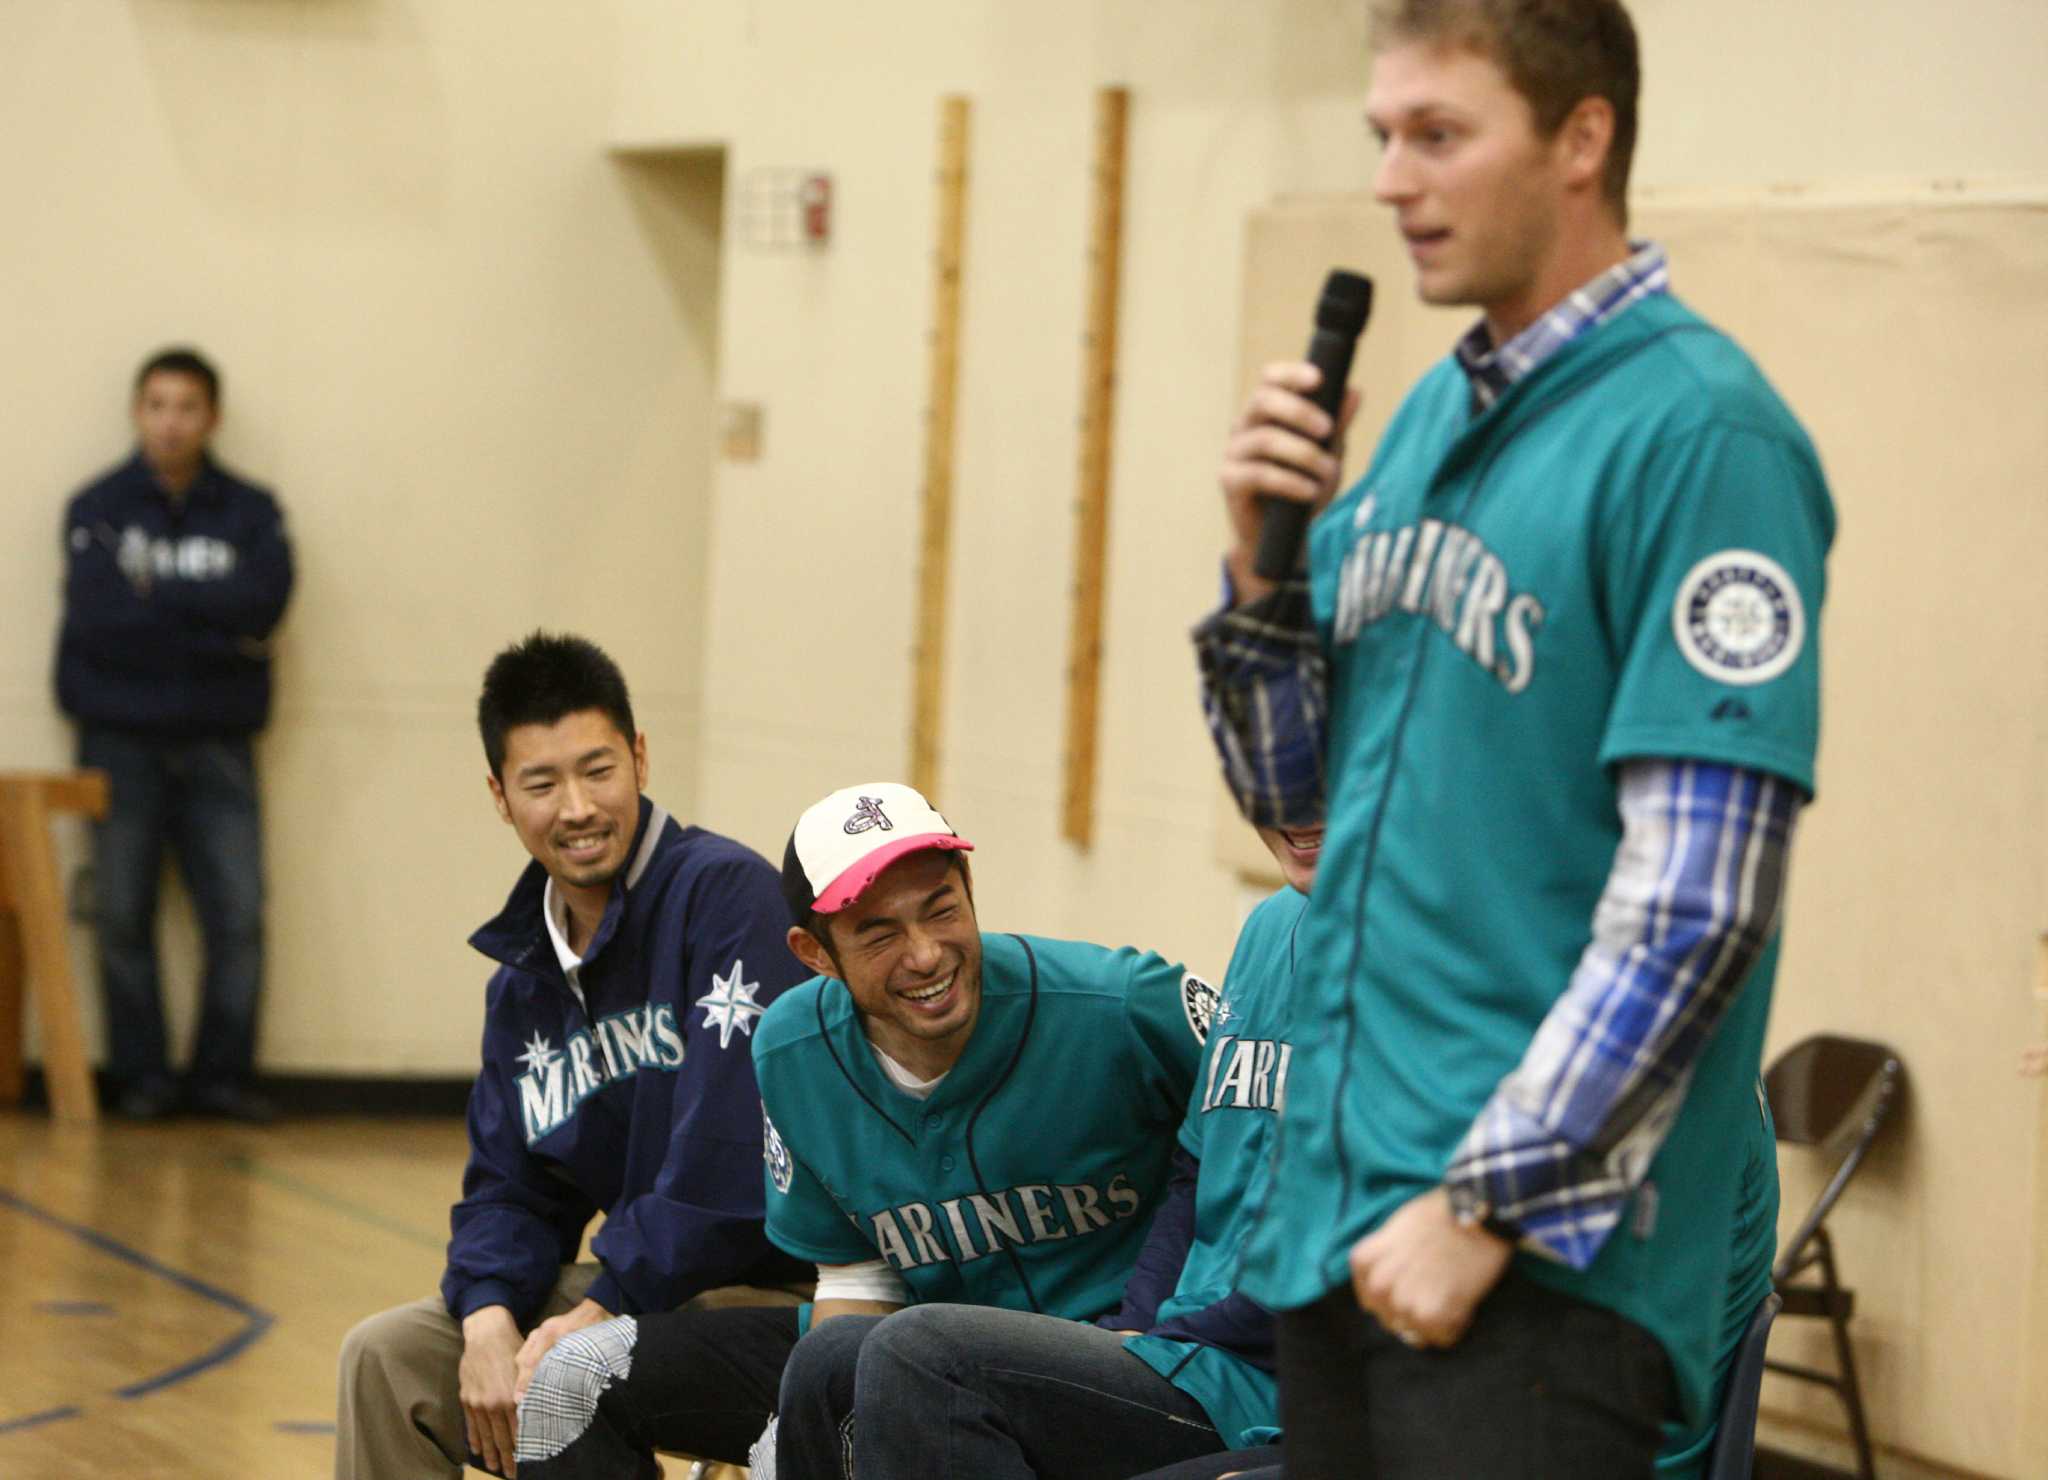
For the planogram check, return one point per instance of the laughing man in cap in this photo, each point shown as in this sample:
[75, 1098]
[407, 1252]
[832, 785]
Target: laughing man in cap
[982, 1119]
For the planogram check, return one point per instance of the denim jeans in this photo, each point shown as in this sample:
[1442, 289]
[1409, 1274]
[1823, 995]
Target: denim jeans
[198, 799]
[959, 1390]
[814, 1410]
[1542, 1387]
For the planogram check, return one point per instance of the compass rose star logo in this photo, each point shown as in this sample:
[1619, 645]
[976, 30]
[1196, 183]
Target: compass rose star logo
[730, 1004]
[538, 1055]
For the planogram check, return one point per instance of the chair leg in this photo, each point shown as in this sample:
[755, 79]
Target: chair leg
[1852, 1399]
[1845, 1359]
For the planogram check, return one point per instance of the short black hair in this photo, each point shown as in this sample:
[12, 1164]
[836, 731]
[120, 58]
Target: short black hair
[543, 678]
[181, 359]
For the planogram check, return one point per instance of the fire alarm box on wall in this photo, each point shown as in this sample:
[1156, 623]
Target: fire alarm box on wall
[817, 208]
[786, 208]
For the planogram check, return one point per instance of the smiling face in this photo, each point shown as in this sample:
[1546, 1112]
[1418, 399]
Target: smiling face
[909, 951]
[1494, 214]
[1297, 850]
[571, 790]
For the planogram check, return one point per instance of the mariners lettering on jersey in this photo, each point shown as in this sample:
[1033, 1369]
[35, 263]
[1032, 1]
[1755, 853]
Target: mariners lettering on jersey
[961, 1230]
[1248, 1074]
[142, 559]
[1444, 572]
[558, 1080]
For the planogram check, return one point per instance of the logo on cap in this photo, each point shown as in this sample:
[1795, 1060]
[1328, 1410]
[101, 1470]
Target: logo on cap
[867, 815]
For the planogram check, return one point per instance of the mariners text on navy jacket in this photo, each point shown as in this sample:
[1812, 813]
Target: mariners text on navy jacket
[641, 1104]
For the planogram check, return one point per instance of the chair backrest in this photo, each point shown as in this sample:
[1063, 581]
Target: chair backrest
[1826, 1089]
[1817, 1084]
[1735, 1436]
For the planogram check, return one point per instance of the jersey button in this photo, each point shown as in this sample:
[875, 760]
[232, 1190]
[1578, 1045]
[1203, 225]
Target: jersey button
[945, 1163]
[931, 1122]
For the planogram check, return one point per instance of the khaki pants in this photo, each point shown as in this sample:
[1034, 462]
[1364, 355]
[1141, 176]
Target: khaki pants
[400, 1411]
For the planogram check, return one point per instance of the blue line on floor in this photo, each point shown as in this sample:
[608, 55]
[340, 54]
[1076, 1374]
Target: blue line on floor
[227, 1351]
[74, 1307]
[303, 1426]
[256, 1321]
[15, 1425]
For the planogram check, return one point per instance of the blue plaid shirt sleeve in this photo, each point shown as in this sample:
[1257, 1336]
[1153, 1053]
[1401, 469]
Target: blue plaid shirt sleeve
[1265, 694]
[1691, 903]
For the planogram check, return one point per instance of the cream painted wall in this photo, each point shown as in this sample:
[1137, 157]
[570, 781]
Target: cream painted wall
[807, 679]
[472, 353]
[1233, 103]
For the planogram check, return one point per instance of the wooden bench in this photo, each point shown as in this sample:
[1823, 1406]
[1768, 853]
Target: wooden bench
[32, 936]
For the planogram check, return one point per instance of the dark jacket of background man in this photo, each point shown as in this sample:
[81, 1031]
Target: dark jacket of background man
[168, 606]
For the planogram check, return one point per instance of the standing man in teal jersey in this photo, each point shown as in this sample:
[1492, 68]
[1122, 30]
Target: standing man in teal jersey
[1555, 666]
[952, 1116]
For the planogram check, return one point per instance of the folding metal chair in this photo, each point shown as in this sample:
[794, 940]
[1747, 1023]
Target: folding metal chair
[1826, 1091]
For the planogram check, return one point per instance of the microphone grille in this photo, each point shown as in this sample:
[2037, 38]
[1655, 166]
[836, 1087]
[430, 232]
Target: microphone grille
[1346, 302]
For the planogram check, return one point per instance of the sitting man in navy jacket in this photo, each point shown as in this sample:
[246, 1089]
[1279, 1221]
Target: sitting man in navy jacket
[635, 955]
[175, 572]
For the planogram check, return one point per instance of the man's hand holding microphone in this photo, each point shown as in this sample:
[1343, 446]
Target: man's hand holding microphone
[1285, 454]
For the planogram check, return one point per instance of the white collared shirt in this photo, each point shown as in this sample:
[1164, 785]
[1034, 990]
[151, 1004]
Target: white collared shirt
[555, 910]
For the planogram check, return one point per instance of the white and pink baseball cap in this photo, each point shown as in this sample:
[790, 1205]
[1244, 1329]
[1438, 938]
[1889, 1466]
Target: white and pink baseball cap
[842, 844]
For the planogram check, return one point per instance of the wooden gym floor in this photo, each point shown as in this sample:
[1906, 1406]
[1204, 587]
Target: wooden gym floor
[175, 1294]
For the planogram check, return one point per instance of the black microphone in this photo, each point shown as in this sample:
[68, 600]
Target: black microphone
[1340, 318]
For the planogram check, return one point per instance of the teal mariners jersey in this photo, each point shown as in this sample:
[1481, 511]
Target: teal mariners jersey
[1622, 558]
[1029, 1178]
[1229, 1130]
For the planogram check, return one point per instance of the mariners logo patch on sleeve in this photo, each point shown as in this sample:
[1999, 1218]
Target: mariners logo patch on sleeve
[1199, 1001]
[781, 1169]
[1738, 617]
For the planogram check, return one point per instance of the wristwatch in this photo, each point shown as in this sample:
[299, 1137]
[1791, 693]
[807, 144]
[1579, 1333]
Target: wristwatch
[1470, 1207]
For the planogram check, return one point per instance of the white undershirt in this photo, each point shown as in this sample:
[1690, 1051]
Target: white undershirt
[903, 1079]
[873, 1279]
[555, 910]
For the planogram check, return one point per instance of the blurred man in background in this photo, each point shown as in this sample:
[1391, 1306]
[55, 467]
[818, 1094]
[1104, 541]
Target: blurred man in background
[176, 573]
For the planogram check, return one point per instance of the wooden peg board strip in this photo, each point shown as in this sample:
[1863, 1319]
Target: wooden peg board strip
[32, 937]
[1098, 408]
[936, 544]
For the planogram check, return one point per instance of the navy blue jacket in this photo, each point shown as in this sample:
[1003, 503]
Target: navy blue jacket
[168, 607]
[642, 1106]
